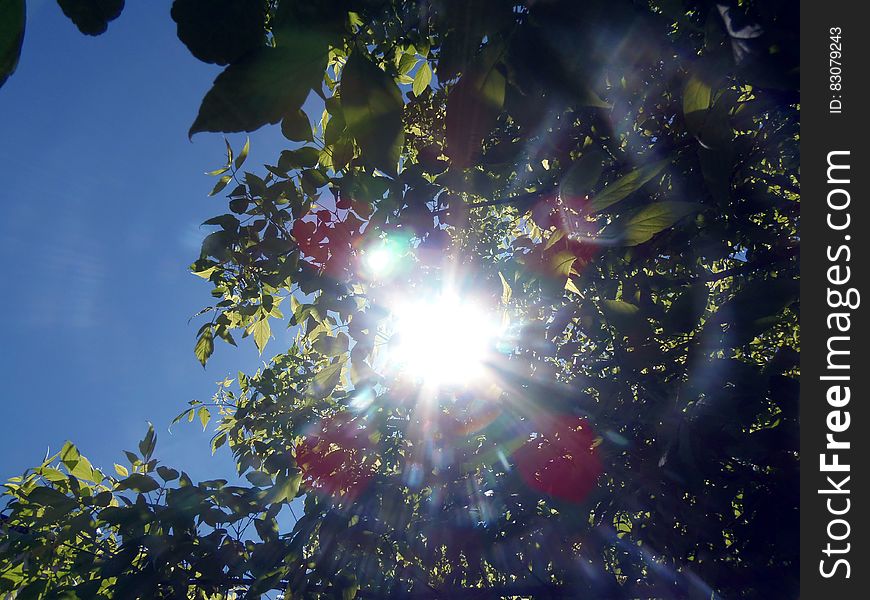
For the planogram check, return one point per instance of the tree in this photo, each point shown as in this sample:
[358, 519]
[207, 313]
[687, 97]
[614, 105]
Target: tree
[616, 180]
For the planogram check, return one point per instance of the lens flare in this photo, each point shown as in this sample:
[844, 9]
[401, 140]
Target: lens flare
[443, 341]
[385, 259]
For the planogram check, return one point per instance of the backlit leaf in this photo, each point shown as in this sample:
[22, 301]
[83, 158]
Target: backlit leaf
[422, 78]
[262, 332]
[640, 226]
[625, 185]
[204, 346]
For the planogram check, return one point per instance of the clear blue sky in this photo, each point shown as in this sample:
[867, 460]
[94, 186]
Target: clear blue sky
[102, 196]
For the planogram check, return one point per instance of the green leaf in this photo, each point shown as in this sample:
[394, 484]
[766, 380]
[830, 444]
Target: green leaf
[12, 22]
[204, 416]
[625, 185]
[240, 159]
[407, 63]
[561, 263]
[139, 483]
[373, 107]
[259, 478]
[221, 184]
[51, 474]
[697, 98]
[78, 465]
[217, 172]
[204, 346]
[262, 331]
[167, 474]
[46, 496]
[286, 486]
[326, 379]
[263, 87]
[331, 346]
[146, 446]
[640, 226]
[422, 78]
[304, 157]
[582, 175]
[296, 127]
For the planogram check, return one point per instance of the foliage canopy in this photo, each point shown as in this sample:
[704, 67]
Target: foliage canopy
[616, 178]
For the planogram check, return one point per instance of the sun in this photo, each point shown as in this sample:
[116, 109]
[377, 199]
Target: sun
[443, 341]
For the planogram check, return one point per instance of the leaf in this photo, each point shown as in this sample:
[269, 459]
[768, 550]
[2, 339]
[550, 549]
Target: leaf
[52, 474]
[262, 87]
[561, 263]
[296, 127]
[13, 18]
[582, 175]
[240, 159]
[326, 379]
[219, 31]
[625, 185]
[226, 222]
[139, 482]
[259, 478]
[625, 316]
[422, 78]
[221, 184]
[572, 287]
[204, 346]
[46, 496]
[373, 107]
[92, 16]
[204, 416]
[304, 157]
[640, 226]
[506, 291]
[697, 98]
[473, 107]
[146, 446]
[262, 331]
[286, 486]
[78, 465]
[331, 346]
[167, 474]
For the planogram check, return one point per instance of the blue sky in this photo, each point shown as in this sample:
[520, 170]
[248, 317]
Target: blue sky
[102, 196]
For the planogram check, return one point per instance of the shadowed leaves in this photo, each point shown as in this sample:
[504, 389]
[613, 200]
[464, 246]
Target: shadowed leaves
[640, 226]
[626, 185]
[473, 107]
[220, 31]
[12, 20]
[92, 16]
[263, 87]
[373, 106]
